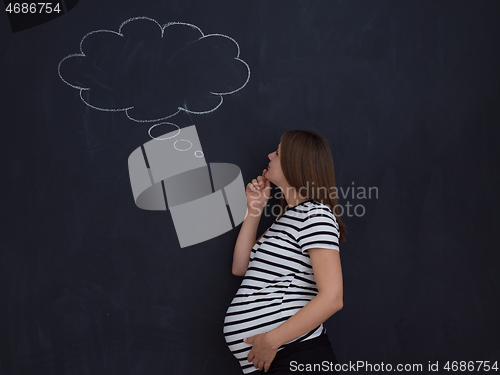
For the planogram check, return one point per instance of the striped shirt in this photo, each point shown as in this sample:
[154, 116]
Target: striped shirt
[279, 280]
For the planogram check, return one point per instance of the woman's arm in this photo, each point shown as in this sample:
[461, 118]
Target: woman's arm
[257, 193]
[245, 242]
[328, 275]
[329, 300]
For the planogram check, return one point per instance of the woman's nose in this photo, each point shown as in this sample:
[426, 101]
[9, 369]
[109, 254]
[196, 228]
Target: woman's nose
[270, 156]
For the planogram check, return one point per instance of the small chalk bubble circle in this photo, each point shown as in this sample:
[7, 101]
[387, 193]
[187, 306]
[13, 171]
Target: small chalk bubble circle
[198, 153]
[182, 145]
[164, 123]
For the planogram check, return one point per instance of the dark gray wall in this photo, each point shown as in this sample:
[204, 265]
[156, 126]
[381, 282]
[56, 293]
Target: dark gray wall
[407, 94]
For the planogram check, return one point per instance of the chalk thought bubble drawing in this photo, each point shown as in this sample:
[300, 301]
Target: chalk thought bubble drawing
[152, 72]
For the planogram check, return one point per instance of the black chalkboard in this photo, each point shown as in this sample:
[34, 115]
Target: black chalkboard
[407, 94]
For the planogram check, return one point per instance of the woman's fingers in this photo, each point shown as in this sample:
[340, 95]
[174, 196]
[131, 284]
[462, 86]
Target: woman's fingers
[266, 367]
[255, 183]
[250, 356]
[260, 365]
[259, 183]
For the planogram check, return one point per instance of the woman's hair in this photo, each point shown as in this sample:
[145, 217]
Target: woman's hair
[307, 164]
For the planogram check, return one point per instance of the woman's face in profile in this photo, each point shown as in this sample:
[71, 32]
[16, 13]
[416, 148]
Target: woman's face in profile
[274, 172]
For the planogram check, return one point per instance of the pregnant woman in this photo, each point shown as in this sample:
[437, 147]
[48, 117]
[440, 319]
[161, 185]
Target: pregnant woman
[292, 274]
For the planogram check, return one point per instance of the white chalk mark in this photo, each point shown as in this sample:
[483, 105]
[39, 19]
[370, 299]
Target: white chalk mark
[198, 153]
[162, 28]
[164, 123]
[204, 112]
[183, 149]
[139, 18]
[94, 32]
[185, 24]
[236, 58]
[158, 119]
[232, 92]
[101, 109]
[59, 70]
[225, 36]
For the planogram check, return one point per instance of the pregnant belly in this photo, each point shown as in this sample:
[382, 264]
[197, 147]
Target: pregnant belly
[249, 316]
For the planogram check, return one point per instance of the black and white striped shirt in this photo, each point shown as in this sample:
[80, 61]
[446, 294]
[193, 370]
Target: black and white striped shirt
[279, 280]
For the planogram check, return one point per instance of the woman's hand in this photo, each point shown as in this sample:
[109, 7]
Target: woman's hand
[258, 192]
[262, 353]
